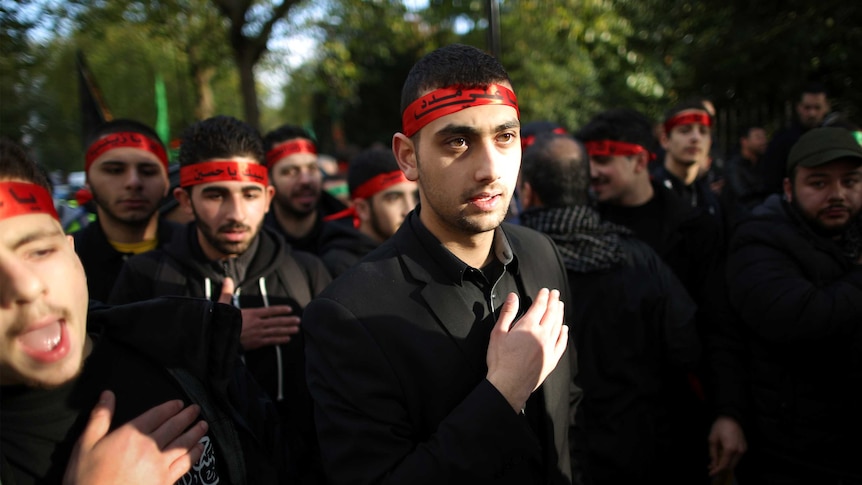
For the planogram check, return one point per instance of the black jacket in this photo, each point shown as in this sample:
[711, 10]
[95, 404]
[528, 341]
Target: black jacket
[342, 245]
[102, 263]
[310, 242]
[288, 277]
[145, 358]
[634, 330]
[397, 367]
[800, 298]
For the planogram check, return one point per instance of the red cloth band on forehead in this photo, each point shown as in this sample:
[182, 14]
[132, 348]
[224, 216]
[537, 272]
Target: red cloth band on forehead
[687, 119]
[445, 101]
[530, 139]
[290, 147]
[223, 171]
[377, 183]
[610, 148]
[22, 198]
[125, 140]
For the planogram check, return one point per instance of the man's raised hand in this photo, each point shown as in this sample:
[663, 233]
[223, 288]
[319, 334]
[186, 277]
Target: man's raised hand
[522, 354]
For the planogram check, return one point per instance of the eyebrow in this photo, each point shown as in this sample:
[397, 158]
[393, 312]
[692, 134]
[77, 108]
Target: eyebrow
[453, 129]
[224, 190]
[34, 235]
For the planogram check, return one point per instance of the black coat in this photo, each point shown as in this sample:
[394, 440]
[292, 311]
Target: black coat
[397, 370]
[636, 339]
[800, 299]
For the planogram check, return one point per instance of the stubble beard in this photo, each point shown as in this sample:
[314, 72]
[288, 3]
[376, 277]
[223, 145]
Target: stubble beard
[133, 221]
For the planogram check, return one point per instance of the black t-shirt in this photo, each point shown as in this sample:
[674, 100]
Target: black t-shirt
[40, 427]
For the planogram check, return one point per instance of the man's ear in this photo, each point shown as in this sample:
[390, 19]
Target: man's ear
[788, 190]
[405, 155]
[663, 138]
[270, 193]
[185, 199]
[528, 196]
[363, 209]
[642, 161]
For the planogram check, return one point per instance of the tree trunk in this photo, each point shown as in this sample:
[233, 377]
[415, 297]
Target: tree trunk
[245, 61]
[201, 77]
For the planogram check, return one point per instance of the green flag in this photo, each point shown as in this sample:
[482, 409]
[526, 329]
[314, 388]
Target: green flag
[163, 124]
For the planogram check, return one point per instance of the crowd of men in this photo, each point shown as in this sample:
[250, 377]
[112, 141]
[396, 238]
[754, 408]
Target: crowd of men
[495, 304]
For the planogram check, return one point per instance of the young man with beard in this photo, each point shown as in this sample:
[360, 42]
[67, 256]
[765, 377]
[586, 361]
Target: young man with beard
[441, 357]
[227, 254]
[687, 139]
[795, 277]
[300, 204]
[127, 172]
[633, 322]
[382, 197]
[141, 375]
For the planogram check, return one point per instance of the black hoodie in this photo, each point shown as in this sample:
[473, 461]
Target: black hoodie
[342, 245]
[267, 274]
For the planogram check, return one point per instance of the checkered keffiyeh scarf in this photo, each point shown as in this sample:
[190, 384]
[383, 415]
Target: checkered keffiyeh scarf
[586, 243]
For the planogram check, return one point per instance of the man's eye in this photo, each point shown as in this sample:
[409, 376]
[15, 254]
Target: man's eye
[458, 142]
[506, 137]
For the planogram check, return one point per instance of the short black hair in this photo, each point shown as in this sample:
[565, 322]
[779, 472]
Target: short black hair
[122, 125]
[16, 164]
[453, 65]
[220, 137]
[745, 130]
[284, 133]
[559, 180]
[813, 88]
[620, 124]
[685, 105]
[369, 164]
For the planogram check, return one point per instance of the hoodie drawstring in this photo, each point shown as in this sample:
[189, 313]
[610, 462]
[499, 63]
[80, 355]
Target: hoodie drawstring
[280, 393]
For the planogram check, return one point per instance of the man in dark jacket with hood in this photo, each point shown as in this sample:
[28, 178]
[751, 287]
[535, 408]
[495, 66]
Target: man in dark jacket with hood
[227, 255]
[382, 197]
[634, 323]
[795, 277]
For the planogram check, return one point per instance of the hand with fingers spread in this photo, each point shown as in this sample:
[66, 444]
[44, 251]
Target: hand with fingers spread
[157, 447]
[262, 326]
[726, 445]
[522, 354]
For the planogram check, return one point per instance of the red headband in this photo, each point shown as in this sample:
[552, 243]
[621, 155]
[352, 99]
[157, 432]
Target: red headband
[297, 145]
[610, 148]
[125, 139]
[371, 186]
[22, 198]
[221, 171]
[530, 139]
[687, 119]
[377, 183]
[445, 101]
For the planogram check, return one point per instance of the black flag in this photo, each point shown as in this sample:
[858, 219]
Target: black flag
[94, 112]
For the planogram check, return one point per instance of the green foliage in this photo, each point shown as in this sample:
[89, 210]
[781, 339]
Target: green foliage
[568, 59]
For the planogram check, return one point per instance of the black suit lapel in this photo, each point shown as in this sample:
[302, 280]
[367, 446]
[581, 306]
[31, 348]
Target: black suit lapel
[446, 304]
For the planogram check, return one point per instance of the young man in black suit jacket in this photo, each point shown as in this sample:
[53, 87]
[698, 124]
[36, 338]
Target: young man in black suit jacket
[441, 357]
